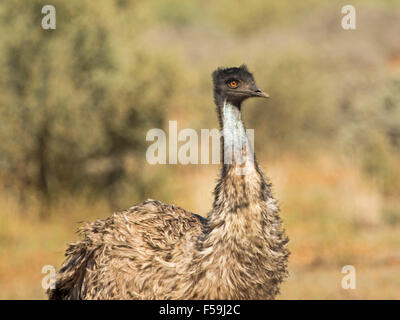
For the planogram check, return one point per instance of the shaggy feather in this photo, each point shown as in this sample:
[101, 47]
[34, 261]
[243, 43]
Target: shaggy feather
[158, 251]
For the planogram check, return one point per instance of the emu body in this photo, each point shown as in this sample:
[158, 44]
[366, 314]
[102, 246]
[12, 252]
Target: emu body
[158, 251]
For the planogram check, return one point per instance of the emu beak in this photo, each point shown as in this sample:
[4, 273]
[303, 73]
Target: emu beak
[260, 93]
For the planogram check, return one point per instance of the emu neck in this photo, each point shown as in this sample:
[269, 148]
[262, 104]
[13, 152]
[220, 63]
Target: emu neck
[234, 247]
[241, 183]
[237, 151]
[242, 249]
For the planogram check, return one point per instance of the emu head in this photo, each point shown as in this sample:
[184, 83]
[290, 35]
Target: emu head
[235, 85]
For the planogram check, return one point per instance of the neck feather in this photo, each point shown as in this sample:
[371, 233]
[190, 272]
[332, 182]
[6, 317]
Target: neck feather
[234, 247]
[243, 246]
[237, 149]
[241, 180]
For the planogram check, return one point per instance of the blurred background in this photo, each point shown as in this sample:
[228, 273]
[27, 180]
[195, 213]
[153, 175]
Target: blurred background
[76, 104]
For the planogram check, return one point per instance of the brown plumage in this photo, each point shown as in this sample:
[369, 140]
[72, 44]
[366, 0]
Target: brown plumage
[158, 251]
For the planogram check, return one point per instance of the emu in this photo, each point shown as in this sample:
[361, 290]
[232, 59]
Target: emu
[158, 251]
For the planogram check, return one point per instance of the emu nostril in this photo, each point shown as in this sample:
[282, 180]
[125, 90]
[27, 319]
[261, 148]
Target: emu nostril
[260, 93]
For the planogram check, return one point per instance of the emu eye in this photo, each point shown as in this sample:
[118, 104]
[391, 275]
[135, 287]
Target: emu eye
[233, 83]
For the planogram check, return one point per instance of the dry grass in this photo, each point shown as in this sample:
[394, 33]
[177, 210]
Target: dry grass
[333, 214]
